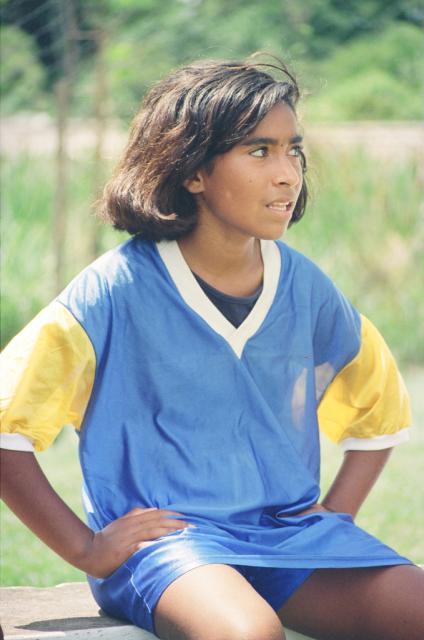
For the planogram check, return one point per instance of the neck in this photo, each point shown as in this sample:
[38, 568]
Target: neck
[230, 264]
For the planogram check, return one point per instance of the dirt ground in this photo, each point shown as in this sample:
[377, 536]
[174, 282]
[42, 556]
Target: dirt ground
[35, 134]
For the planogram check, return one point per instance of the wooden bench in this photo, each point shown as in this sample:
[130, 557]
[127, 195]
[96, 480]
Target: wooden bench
[65, 612]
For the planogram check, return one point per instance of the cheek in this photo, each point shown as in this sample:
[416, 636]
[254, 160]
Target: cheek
[221, 198]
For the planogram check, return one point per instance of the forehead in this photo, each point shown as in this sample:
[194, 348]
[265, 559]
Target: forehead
[280, 122]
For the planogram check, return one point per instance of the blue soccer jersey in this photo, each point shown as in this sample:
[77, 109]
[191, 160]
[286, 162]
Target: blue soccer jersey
[176, 408]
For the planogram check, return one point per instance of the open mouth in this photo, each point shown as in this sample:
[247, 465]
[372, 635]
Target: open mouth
[280, 207]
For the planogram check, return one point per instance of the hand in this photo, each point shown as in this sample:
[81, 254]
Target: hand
[111, 546]
[314, 509]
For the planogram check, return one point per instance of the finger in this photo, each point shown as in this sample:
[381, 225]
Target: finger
[138, 511]
[152, 533]
[158, 532]
[168, 513]
[314, 509]
[173, 524]
[161, 515]
[159, 523]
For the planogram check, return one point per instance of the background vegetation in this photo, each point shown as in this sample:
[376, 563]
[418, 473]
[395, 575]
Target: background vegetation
[357, 61]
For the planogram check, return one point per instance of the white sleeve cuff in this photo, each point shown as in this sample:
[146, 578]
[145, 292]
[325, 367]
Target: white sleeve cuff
[16, 442]
[377, 442]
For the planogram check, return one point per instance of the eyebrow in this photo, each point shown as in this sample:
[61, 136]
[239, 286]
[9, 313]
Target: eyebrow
[249, 142]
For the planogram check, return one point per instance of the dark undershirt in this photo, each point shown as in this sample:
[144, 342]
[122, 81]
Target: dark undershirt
[234, 308]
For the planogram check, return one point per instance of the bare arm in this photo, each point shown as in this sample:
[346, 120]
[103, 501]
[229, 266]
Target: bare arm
[27, 492]
[353, 482]
[356, 477]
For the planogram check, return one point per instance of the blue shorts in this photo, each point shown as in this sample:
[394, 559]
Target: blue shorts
[133, 590]
[131, 596]
[274, 584]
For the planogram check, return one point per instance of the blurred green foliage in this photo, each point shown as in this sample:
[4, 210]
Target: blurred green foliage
[21, 74]
[372, 79]
[360, 60]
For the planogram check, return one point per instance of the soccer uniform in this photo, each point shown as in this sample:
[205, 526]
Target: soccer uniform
[179, 409]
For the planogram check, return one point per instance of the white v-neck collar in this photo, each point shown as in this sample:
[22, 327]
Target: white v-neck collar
[193, 294]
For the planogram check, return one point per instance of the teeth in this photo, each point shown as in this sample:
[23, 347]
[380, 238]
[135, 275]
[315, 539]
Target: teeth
[281, 206]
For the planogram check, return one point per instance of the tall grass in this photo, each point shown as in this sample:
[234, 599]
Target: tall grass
[363, 226]
[28, 256]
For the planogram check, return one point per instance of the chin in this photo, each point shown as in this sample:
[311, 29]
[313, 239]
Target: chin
[272, 234]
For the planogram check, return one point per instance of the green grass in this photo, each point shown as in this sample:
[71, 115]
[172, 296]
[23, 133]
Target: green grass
[393, 511]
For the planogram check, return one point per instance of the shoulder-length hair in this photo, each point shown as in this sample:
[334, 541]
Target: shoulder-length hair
[196, 113]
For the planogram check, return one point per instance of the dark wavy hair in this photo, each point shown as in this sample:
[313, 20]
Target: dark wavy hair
[196, 113]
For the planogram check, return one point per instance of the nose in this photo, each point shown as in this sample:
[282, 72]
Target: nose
[288, 171]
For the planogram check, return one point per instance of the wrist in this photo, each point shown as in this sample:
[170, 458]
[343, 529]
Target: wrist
[340, 506]
[328, 507]
[81, 556]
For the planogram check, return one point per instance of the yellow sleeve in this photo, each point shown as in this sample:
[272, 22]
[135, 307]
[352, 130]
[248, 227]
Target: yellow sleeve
[368, 397]
[47, 375]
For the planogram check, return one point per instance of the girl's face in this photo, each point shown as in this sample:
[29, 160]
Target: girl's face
[253, 188]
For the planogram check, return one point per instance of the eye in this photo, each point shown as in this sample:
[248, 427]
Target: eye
[261, 152]
[296, 151]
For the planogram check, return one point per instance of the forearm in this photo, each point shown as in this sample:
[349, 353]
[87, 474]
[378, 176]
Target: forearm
[27, 492]
[355, 478]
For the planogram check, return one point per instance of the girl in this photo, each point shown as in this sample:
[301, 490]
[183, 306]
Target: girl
[196, 361]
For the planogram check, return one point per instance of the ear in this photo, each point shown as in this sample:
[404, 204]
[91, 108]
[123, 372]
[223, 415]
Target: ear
[194, 184]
